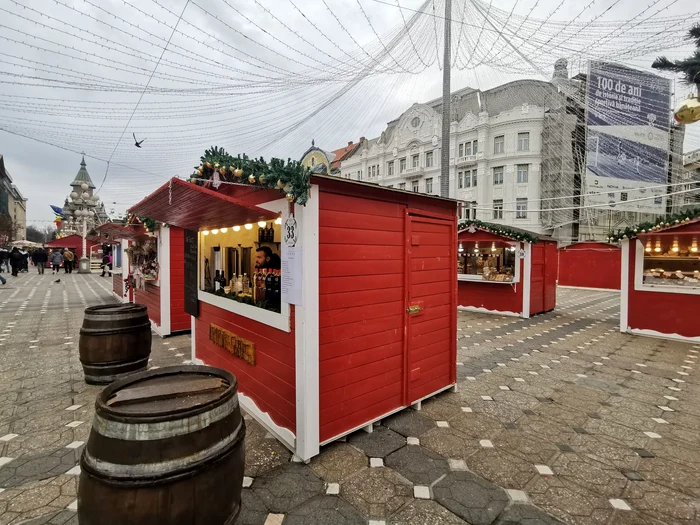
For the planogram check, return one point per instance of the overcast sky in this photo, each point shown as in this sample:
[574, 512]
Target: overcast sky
[268, 76]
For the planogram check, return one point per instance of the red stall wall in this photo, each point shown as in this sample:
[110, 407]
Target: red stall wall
[271, 382]
[151, 298]
[492, 296]
[361, 310]
[543, 277]
[179, 320]
[667, 313]
[118, 284]
[590, 265]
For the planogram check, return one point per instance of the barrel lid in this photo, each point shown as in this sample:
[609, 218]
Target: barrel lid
[169, 391]
[106, 309]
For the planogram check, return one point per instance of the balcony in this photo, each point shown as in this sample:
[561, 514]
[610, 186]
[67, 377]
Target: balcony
[413, 173]
[691, 161]
[466, 160]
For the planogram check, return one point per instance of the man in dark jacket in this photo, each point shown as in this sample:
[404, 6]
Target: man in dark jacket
[39, 258]
[16, 261]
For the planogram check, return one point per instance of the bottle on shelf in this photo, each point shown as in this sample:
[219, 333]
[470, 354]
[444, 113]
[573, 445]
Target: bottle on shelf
[261, 285]
[262, 232]
[222, 280]
[254, 285]
[270, 234]
[269, 283]
[246, 284]
[217, 281]
[239, 284]
[276, 290]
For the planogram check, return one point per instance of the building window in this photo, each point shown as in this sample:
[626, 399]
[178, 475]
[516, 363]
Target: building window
[473, 178]
[473, 207]
[415, 187]
[523, 172]
[390, 168]
[402, 186]
[359, 174]
[402, 165]
[521, 209]
[498, 175]
[460, 181]
[499, 144]
[524, 141]
[467, 179]
[415, 161]
[475, 147]
[498, 208]
[429, 185]
[461, 150]
[429, 159]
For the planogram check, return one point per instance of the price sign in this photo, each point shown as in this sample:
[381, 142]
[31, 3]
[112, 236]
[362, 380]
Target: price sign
[290, 232]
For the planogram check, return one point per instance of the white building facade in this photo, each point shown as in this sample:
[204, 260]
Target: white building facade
[495, 152]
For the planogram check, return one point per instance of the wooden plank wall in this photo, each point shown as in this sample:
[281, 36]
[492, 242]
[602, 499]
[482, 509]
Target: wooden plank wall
[361, 310]
[151, 298]
[179, 320]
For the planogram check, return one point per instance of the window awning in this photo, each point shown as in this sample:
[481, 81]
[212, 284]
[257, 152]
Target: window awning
[117, 232]
[186, 205]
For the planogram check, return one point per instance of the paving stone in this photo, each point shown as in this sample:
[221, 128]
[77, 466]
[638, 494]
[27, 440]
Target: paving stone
[253, 510]
[337, 462]
[286, 487]
[378, 492]
[409, 423]
[417, 464]
[380, 443]
[425, 512]
[470, 497]
[526, 515]
[324, 510]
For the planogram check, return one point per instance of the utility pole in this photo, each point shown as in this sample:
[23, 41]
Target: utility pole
[446, 96]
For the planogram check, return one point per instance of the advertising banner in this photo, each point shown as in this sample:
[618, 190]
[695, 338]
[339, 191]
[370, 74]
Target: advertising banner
[627, 147]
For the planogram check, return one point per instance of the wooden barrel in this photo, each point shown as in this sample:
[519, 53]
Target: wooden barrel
[115, 340]
[166, 446]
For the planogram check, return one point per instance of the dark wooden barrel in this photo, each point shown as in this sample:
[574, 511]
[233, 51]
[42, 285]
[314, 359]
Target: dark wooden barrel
[115, 341]
[166, 447]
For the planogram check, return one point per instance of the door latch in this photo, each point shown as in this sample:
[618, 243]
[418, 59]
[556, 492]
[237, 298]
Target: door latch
[415, 309]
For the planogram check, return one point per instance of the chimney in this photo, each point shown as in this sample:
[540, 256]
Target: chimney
[362, 139]
[349, 142]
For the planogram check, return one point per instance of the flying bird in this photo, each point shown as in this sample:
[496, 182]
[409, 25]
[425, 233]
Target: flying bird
[136, 142]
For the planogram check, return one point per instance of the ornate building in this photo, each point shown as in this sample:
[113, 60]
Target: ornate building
[495, 152]
[80, 193]
[327, 162]
[13, 208]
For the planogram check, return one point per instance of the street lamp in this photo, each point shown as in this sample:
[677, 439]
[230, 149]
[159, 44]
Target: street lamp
[83, 210]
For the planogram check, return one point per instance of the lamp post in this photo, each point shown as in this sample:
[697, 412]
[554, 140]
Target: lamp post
[83, 212]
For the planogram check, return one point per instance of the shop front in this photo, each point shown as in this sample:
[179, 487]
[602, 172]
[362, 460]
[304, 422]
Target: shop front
[660, 284]
[120, 239]
[334, 306]
[590, 264]
[505, 271]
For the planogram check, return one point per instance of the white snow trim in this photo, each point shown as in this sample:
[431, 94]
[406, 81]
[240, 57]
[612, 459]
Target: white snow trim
[659, 335]
[479, 310]
[624, 285]
[284, 435]
[156, 329]
[588, 288]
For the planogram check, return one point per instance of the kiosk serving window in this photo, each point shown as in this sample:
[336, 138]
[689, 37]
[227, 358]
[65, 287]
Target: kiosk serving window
[242, 263]
[493, 261]
[671, 261]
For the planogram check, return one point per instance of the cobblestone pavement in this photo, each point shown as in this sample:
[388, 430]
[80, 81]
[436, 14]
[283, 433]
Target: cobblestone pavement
[559, 418]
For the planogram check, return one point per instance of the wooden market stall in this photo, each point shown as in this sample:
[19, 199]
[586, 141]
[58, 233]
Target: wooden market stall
[505, 271]
[120, 238]
[590, 264]
[352, 315]
[660, 279]
[74, 243]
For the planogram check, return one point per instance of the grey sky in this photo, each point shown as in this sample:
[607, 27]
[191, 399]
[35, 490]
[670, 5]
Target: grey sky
[258, 81]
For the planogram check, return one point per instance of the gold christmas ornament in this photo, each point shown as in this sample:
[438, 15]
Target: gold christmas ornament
[251, 179]
[222, 170]
[262, 179]
[207, 164]
[688, 111]
[280, 184]
[216, 165]
[238, 172]
[289, 197]
[200, 170]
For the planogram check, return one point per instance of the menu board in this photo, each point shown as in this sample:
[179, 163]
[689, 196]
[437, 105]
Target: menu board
[191, 262]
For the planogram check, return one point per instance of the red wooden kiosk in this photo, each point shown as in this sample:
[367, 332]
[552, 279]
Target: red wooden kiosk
[505, 271]
[75, 243]
[590, 264]
[120, 238]
[367, 320]
[660, 285]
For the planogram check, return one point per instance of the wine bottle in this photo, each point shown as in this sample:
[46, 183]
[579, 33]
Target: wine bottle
[276, 291]
[217, 282]
[261, 285]
[261, 234]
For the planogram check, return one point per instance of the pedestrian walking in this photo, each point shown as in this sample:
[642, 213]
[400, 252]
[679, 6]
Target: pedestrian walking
[107, 264]
[56, 259]
[16, 261]
[39, 258]
[4, 260]
[68, 260]
[24, 267]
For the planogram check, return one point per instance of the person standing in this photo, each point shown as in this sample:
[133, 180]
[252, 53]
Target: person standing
[16, 261]
[107, 264]
[4, 260]
[68, 259]
[39, 258]
[56, 260]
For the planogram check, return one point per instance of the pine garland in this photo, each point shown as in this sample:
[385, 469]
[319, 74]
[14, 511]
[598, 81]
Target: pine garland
[290, 177]
[150, 224]
[499, 229]
[659, 224]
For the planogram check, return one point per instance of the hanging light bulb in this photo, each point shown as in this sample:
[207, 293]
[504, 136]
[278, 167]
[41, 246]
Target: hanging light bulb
[493, 246]
[262, 224]
[278, 220]
[205, 232]
[215, 231]
[648, 247]
[248, 226]
[223, 230]
[657, 249]
[461, 248]
[236, 228]
[694, 246]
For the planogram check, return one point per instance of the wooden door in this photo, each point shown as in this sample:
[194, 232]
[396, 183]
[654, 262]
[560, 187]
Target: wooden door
[551, 263]
[431, 306]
